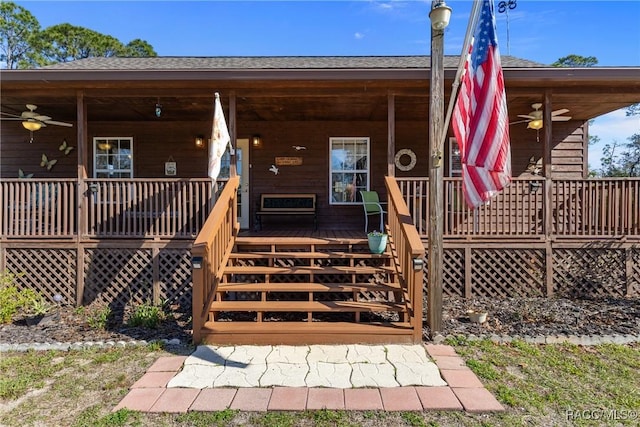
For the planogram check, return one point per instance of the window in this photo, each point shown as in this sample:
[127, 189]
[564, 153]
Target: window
[349, 169]
[113, 157]
[455, 160]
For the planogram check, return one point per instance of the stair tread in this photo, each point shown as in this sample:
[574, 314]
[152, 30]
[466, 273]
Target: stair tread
[315, 254]
[306, 287]
[292, 241]
[306, 306]
[298, 327]
[305, 269]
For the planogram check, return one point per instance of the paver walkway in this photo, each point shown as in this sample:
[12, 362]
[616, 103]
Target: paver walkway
[288, 378]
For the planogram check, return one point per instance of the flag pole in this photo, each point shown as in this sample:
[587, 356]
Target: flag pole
[473, 20]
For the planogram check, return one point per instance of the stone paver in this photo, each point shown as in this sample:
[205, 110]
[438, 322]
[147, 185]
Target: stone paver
[438, 399]
[362, 399]
[167, 364]
[461, 378]
[366, 354]
[325, 398]
[284, 374]
[247, 376]
[328, 354]
[373, 375]
[153, 380]
[477, 399]
[400, 399]
[140, 399]
[213, 399]
[194, 376]
[450, 362]
[288, 399]
[440, 350]
[251, 399]
[329, 374]
[418, 374]
[175, 400]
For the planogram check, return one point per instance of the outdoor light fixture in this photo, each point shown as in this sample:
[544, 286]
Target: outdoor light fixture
[200, 141]
[256, 141]
[158, 109]
[535, 124]
[31, 125]
[440, 15]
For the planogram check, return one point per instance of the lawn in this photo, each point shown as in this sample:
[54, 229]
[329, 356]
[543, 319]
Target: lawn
[539, 385]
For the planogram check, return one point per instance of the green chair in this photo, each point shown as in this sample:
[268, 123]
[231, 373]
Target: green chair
[372, 206]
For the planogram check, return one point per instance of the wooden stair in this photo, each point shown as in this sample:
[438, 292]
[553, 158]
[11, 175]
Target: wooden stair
[305, 290]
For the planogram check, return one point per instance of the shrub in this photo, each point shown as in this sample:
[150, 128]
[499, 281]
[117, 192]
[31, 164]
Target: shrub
[147, 315]
[13, 300]
[98, 316]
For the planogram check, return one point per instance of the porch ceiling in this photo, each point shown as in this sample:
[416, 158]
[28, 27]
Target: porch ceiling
[322, 104]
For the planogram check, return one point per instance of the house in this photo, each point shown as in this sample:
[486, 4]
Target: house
[117, 200]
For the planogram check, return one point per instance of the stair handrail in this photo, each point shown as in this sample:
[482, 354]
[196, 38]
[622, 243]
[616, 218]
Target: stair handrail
[408, 253]
[210, 253]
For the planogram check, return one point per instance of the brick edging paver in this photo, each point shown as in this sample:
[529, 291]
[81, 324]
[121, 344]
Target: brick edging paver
[463, 392]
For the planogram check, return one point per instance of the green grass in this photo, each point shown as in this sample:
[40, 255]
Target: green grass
[539, 385]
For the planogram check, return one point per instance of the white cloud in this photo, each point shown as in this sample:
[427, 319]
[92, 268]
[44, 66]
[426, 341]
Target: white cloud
[615, 126]
[358, 35]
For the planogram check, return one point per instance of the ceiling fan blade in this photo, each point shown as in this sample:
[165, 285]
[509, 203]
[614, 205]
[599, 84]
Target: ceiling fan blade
[12, 118]
[53, 122]
[560, 118]
[42, 118]
[558, 112]
[518, 121]
[10, 115]
[526, 116]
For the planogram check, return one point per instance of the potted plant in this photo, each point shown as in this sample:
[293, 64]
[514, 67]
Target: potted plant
[377, 242]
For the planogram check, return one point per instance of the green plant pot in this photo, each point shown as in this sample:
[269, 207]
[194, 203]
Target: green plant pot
[377, 243]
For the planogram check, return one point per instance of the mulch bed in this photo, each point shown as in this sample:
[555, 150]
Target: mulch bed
[511, 317]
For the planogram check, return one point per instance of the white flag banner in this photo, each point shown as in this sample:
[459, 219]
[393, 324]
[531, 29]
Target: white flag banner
[219, 139]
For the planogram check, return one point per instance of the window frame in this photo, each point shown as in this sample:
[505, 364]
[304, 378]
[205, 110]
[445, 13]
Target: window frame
[97, 152]
[353, 141]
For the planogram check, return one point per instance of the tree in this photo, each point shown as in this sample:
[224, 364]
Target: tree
[24, 45]
[576, 61]
[627, 163]
[633, 110]
[140, 49]
[66, 42]
[17, 26]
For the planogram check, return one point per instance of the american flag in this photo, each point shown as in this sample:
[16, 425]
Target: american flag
[480, 119]
[219, 139]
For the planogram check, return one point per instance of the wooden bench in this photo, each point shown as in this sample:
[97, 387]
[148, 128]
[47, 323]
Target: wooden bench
[287, 204]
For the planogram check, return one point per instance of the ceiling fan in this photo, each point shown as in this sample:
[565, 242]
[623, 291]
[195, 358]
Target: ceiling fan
[33, 121]
[535, 117]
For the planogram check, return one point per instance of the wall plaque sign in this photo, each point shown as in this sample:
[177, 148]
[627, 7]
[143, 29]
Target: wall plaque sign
[288, 161]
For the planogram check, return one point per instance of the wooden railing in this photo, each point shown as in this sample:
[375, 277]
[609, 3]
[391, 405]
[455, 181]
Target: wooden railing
[44, 208]
[408, 253]
[147, 207]
[211, 251]
[585, 208]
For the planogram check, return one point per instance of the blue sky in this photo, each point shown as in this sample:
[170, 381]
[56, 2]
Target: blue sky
[539, 30]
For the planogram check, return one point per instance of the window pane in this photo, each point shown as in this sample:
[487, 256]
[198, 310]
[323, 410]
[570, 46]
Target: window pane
[349, 168]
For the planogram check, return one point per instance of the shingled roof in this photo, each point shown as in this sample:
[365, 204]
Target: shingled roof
[271, 63]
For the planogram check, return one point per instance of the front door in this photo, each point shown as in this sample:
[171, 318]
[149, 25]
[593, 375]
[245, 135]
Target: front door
[242, 167]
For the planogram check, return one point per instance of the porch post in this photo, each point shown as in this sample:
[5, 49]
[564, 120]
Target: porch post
[548, 201]
[391, 134]
[81, 211]
[232, 133]
[436, 202]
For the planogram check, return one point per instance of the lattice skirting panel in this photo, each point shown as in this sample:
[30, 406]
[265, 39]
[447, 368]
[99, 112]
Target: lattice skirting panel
[118, 276]
[48, 271]
[589, 272]
[111, 275]
[509, 273]
[175, 277]
[579, 271]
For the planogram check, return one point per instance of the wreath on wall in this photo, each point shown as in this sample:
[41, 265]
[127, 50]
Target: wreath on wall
[412, 159]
